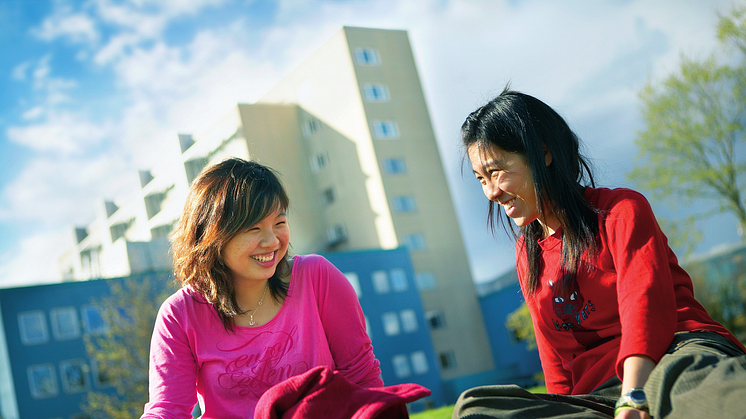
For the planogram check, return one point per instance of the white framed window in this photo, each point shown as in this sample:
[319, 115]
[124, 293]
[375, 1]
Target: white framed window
[367, 56]
[33, 327]
[399, 280]
[447, 360]
[65, 323]
[385, 130]
[376, 92]
[93, 320]
[408, 320]
[329, 196]
[401, 366]
[319, 161]
[311, 126]
[436, 319]
[74, 376]
[367, 327]
[381, 282]
[336, 234]
[404, 204]
[414, 241]
[42, 381]
[100, 377]
[395, 166]
[425, 280]
[390, 323]
[419, 362]
[355, 282]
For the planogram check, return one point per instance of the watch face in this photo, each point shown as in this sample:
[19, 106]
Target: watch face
[637, 396]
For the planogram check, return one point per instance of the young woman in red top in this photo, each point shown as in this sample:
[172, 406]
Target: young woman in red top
[619, 331]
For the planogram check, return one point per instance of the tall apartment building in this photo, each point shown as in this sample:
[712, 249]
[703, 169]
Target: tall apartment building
[350, 134]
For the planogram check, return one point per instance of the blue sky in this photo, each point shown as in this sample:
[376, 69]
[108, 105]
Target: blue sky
[95, 89]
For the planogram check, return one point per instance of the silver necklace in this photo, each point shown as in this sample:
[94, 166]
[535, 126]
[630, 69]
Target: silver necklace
[261, 300]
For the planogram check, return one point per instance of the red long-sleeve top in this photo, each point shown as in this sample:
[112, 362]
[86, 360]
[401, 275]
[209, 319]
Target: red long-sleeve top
[628, 300]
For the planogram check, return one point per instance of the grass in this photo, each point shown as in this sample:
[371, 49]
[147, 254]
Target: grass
[439, 413]
[445, 412]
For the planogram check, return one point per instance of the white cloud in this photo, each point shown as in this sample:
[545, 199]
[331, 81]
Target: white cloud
[19, 71]
[77, 27]
[61, 132]
[54, 90]
[33, 260]
[33, 113]
[53, 191]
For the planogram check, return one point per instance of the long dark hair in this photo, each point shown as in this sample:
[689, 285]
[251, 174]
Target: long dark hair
[519, 123]
[224, 200]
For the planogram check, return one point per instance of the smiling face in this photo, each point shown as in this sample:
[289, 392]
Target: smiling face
[253, 254]
[506, 180]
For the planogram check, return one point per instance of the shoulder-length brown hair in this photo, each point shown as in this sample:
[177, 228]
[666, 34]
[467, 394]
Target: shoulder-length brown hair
[224, 200]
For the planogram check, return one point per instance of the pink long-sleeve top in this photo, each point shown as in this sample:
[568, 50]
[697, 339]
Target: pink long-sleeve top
[194, 359]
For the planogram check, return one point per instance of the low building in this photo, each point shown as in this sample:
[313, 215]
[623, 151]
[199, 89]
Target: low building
[515, 362]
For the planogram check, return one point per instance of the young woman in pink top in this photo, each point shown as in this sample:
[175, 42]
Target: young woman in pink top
[618, 329]
[248, 316]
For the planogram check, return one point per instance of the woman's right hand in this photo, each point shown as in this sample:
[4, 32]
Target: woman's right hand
[631, 413]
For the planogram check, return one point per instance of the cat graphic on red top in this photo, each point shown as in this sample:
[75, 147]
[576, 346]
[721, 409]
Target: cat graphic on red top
[570, 308]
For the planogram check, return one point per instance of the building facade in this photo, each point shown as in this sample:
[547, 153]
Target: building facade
[350, 134]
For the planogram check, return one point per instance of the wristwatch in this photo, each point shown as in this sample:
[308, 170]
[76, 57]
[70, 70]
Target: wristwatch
[634, 399]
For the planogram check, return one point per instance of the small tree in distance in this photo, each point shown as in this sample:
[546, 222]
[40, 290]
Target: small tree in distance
[121, 353]
[695, 123]
[520, 324]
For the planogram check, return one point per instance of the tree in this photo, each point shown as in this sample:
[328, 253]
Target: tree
[121, 353]
[720, 285]
[694, 126]
[520, 324]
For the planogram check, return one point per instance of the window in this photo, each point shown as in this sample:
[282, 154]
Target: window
[408, 320]
[401, 366]
[376, 93]
[436, 319]
[385, 129]
[194, 167]
[381, 282]
[394, 166]
[74, 375]
[355, 282]
[367, 56]
[33, 327]
[93, 320]
[404, 204]
[414, 241]
[153, 203]
[310, 127]
[419, 362]
[42, 381]
[447, 360]
[101, 378]
[390, 323]
[336, 234]
[161, 231]
[367, 327]
[399, 280]
[425, 280]
[65, 323]
[328, 196]
[319, 162]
